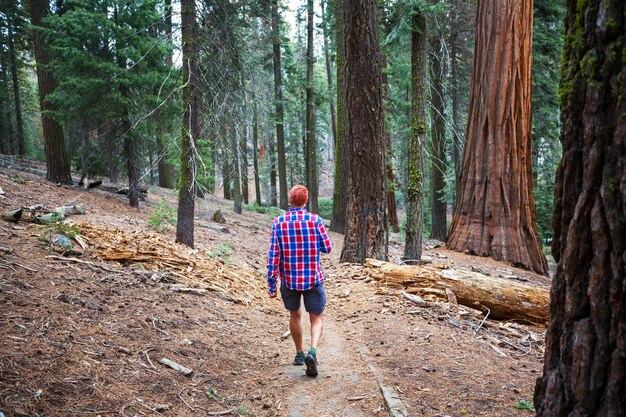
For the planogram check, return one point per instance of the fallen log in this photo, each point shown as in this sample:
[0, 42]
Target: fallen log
[504, 299]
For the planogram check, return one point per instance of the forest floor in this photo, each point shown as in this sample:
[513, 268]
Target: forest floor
[85, 337]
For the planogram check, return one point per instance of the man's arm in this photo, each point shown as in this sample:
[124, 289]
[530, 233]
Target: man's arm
[325, 245]
[273, 260]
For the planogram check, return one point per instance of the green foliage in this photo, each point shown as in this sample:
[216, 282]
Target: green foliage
[525, 405]
[272, 211]
[162, 217]
[325, 208]
[68, 230]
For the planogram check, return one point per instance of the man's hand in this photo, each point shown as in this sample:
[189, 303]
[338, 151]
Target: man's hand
[272, 294]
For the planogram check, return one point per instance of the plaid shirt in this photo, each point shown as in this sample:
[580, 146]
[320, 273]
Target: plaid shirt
[298, 237]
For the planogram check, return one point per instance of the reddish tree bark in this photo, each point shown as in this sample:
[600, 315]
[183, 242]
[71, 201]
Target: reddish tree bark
[495, 211]
[57, 160]
[585, 361]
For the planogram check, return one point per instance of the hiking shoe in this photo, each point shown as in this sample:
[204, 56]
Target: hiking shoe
[311, 364]
[299, 359]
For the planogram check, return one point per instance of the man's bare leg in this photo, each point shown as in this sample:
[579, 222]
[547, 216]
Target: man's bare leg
[317, 324]
[295, 327]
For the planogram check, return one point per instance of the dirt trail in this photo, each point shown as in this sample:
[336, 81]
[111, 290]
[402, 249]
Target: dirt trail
[345, 386]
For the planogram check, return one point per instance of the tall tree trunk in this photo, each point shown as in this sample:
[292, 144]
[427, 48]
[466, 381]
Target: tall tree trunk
[244, 140]
[278, 97]
[167, 171]
[130, 147]
[366, 234]
[311, 141]
[21, 139]
[255, 149]
[329, 75]
[341, 175]
[392, 211]
[495, 211]
[415, 166]
[438, 137]
[584, 370]
[457, 142]
[191, 100]
[57, 160]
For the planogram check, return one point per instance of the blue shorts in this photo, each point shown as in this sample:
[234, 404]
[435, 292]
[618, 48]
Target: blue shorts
[314, 299]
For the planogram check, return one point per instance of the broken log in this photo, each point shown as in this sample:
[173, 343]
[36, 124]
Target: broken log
[214, 227]
[13, 216]
[183, 370]
[505, 299]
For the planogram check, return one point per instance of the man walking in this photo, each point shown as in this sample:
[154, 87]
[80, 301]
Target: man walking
[298, 238]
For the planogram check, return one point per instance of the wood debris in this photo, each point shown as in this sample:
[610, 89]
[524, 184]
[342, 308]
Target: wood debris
[195, 270]
[177, 367]
[503, 298]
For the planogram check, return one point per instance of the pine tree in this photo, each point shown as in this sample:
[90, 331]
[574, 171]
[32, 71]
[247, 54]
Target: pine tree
[366, 234]
[190, 133]
[415, 175]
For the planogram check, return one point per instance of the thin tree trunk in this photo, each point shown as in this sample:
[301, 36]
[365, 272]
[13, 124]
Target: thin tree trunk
[392, 211]
[6, 113]
[130, 147]
[341, 175]
[366, 234]
[438, 137]
[495, 211]
[329, 76]
[255, 149]
[167, 171]
[21, 139]
[457, 142]
[244, 140]
[584, 371]
[415, 172]
[278, 97]
[311, 141]
[57, 159]
[191, 100]
[112, 152]
[271, 157]
[234, 149]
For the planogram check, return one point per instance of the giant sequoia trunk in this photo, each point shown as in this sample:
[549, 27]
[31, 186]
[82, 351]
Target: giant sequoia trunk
[415, 175]
[585, 361]
[191, 99]
[340, 177]
[311, 141]
[366, 234]
[278, 97]
[495, 209]
[57, 160]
